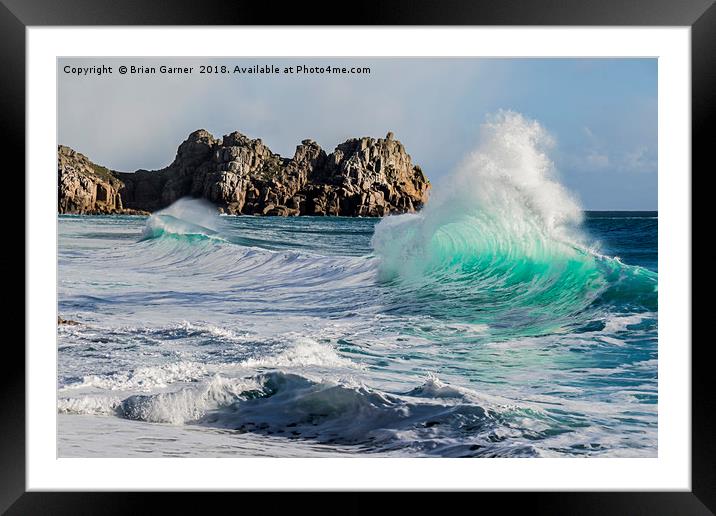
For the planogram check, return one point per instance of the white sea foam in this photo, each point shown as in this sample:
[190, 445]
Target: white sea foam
[303, 352]
[143, 378]
[95, 405]
[620, 323]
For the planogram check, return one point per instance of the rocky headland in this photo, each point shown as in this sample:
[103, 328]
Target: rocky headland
[361, 177]
[84, 187]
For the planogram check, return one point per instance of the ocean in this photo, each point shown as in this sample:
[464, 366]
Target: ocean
[477, 328]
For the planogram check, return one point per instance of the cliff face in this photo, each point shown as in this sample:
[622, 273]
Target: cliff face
[84, 187]
[362, 176]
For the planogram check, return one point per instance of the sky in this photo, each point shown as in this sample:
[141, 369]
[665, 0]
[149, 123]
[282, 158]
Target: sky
[601, 113]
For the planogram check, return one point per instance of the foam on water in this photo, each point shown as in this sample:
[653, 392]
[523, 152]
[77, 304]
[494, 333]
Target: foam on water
[143, 378]
[305, 352]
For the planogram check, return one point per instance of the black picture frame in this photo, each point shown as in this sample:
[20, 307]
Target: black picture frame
[16, 15]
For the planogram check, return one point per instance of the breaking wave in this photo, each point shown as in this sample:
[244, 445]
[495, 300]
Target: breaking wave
[503, 236]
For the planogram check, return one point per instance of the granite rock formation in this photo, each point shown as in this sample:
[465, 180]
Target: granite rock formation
[361, 177]
[85, 187]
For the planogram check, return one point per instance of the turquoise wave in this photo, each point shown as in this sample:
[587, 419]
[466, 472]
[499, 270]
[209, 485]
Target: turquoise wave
[164, 225]
[480, 271]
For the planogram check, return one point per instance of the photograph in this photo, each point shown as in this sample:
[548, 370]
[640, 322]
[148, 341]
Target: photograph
[432, 257]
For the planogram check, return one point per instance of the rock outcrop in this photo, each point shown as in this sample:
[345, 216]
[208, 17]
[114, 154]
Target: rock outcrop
[69, 322]
[361, 177]
[85, 187]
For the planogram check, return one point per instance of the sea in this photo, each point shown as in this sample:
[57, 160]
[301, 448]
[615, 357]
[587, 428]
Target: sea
[286, 337]
[502, 320]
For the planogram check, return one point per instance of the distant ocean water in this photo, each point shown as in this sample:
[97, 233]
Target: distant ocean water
[500, 321]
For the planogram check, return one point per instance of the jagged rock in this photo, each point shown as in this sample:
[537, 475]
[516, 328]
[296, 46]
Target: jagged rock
[85, 187]
[68, 322]
[361, 177]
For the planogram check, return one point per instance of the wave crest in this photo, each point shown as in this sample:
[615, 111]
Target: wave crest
[188, 218]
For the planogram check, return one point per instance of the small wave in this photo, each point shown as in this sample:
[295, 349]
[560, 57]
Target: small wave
[433, 387]
[188, 218]
[187, 404]
[303, 353]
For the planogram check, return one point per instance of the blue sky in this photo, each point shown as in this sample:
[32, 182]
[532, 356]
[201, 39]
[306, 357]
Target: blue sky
[602, 113]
